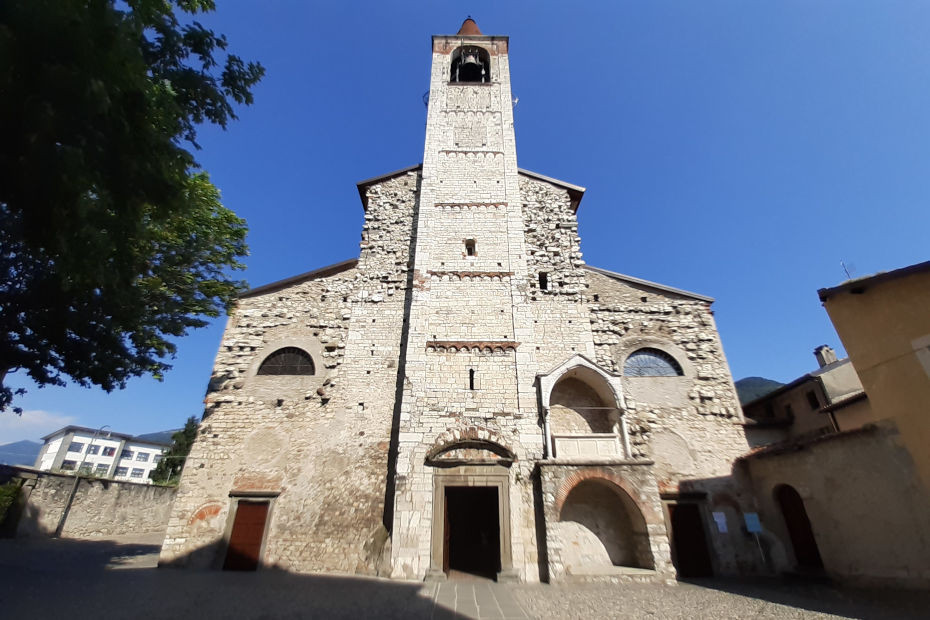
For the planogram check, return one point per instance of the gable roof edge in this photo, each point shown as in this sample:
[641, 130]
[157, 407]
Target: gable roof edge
[655, 285]
[575, 192]
[366, 183]
[322, 272]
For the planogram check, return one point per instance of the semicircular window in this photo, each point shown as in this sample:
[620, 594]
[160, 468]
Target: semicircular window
[288, 361]
[651, 363]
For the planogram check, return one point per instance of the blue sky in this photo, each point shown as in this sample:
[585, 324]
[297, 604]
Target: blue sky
[737, 149]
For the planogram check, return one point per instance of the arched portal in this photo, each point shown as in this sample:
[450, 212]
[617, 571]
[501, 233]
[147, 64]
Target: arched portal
[601, 526]
[471, 506]
[806, 553]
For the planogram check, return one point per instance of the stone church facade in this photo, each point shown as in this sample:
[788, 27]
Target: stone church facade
[468, 395]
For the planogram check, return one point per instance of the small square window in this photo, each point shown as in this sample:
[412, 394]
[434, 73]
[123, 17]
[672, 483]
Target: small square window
[157, 458]
[142, 457]
[86, 468]
[75, 446]
[109, 451]
[126, 454]
[137, 472]
[101, 469]
[122, 471]
[93, 449]
[469, 247]
[68, 465]
[543, 281]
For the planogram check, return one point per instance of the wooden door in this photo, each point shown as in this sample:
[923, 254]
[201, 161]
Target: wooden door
[245, 542]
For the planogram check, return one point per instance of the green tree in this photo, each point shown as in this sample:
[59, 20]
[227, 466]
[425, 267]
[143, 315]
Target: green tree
[168, 470]
[112, 240]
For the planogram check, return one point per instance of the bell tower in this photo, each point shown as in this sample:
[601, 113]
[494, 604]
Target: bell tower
[467, 321]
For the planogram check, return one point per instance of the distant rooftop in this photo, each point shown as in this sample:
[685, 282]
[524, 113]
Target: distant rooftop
[106, 434]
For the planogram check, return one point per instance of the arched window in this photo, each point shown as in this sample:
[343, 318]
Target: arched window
[288, 361]
[470, 64]
[651, 363]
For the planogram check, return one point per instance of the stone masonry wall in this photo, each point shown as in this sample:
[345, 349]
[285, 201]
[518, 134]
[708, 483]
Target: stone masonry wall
[867, 507]
[316, 447]
[691, 426]
[100, 508]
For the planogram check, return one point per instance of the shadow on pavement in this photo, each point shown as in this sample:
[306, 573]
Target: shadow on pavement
[84, 578]
[822, 596]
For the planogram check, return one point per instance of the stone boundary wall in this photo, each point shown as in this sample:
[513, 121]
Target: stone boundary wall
[867, 507]
[100, 507]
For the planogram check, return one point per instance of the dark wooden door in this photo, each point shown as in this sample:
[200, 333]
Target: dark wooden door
[799, 528]
[689, 545]
[245, 542]
[445, 534]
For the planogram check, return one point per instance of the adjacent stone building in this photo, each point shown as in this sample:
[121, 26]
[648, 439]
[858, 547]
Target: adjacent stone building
[468, 395]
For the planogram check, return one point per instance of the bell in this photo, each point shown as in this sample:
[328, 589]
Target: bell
[471, 58]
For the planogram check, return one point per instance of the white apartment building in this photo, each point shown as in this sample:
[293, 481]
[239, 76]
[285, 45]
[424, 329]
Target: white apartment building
[103, 454]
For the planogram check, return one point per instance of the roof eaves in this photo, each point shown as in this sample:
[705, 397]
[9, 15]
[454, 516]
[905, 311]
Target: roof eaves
[107, 435]
[303, 277]
[845, 401]
[655, 285]
[859, 285]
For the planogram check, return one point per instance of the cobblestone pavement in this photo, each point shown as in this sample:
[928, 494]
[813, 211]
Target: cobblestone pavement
[719, 599]
[118, 579]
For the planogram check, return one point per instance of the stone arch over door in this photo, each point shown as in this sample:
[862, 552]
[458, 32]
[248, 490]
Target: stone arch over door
[476, 461]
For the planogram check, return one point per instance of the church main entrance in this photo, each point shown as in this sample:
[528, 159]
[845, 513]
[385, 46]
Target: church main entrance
[471, 521]
[471, 537]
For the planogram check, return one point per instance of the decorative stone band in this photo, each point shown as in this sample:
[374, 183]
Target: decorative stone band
[495, 276]
[487, 347]
[470, 153]
[459, 206]
[468, 113]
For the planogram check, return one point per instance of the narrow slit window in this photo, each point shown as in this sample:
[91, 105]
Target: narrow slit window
[471, 378]
[469, 247]
[543, 281]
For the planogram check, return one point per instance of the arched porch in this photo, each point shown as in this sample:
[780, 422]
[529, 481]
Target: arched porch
[603, 523]
[582, 410]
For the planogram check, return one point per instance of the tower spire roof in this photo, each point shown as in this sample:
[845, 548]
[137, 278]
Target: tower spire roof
[469, 27]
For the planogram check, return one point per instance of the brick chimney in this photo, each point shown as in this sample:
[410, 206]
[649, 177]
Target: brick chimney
[825, 355]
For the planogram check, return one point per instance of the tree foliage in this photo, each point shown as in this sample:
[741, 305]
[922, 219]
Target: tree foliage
[168, 470]
[112, 240]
